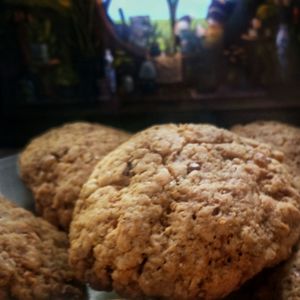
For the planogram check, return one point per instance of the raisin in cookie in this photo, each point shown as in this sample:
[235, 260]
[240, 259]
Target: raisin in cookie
[56, 164]
[33, 258]
[284, 137]
[183, 212]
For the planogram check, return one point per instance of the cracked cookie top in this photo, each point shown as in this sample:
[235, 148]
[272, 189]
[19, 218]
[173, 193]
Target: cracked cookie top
[183, 212]
[56, 164]
[283, 137]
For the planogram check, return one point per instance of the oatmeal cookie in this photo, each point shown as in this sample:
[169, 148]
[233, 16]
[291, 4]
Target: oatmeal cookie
[56, 164]
[33, 258]
[284, 137]
[282, 283]
[279, 283]
[183, 212]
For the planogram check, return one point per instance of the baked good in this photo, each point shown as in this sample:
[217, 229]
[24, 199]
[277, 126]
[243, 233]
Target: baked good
[283, 282]
[33, 258]
[183, 212]
[283, 137]
[56, 164]
[279, 283]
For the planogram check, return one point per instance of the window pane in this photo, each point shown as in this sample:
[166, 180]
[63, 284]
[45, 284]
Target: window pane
[145, 24]
[156, 10]
[197, 9]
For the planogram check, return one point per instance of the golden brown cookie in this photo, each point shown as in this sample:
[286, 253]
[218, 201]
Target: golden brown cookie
[283, 137]
[33, 258]
[56, 164]
[279, 283]
[183, 212]
[283, 282]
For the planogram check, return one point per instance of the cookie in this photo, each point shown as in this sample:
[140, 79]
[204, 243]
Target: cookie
[283, 137]
[183, 212]
[279, 283]
[282, 283]
[33, 258]
[56, 164]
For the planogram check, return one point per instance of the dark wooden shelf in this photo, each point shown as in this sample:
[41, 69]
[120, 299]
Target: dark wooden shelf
[19, 124]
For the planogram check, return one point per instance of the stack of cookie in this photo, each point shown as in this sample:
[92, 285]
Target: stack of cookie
[33, 253]
[33, 258]
[184, 212]
[56, 165]
[282, 282]
[174, 212]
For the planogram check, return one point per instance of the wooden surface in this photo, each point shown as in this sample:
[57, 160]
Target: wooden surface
[17, 126]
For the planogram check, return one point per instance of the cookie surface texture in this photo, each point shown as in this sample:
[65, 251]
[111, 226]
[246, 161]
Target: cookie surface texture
[183, 212]
[283, 137]
[56, 164]
[33, 258]
[283, 282]
[279, 283]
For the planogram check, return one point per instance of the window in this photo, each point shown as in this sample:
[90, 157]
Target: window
[143, 24]
[197, 9]
[134, 8]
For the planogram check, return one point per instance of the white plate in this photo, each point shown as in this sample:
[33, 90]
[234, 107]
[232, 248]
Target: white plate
[13, 188]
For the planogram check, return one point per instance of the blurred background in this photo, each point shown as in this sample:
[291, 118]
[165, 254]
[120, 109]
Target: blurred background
[132, 63]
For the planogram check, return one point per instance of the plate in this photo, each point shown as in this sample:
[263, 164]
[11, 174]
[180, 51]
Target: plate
[13, 188]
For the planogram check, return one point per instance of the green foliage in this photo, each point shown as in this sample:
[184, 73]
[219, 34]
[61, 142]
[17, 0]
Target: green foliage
[196, 22]
[162, 35]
